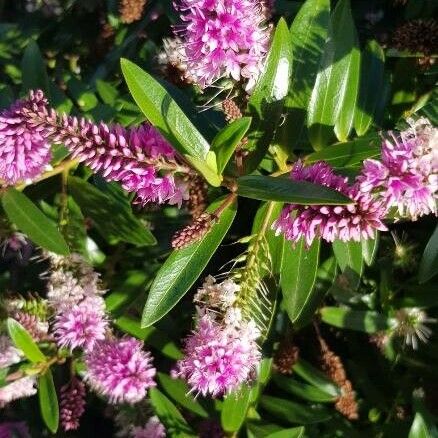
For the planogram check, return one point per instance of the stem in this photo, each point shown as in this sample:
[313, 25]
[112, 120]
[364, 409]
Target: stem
[228, 201]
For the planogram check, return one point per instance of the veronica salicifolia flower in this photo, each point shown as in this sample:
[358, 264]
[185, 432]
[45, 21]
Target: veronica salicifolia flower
[407, 175]
[354, 221]
[218, 358]
[21, 388]
[224, 38]
[81, 325]
[24, 150]
[120, 370]
[72, 404]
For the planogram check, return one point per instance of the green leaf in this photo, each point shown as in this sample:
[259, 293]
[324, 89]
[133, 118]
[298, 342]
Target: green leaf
[151, 335]
[179, 391]
[234, 408]
[335, 93]
[308, 35]
[369, 248]
[316, 378]
[30, 220]
[292, 412]
[429, 260]
[183, 267]
[419, 428]
[207, 167]
[107, 92]
[297, 280]
[226, 141]
[34, 71]
[266, 102]
[163, 112]
[24, 342]
[302, 390]
[349, 255]
[293, 432]
[268, 188]
[170, 416]
[371, 87]
[48, 401]
[99, 206]
[364, 321]
[349, 154]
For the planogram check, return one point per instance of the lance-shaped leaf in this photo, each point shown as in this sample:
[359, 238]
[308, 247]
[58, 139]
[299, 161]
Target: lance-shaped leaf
[164, 113]
[234, 409]
[268, 188]
[183, 267]
[371, 87]
[336, 88]
[297, 280]
[369, 248]
[266, 102]
[24, 342]
[429, 260]
[48, 401]
[308, 35]
[364, 321]
[29, 219]
[349, 255]
[33, 69]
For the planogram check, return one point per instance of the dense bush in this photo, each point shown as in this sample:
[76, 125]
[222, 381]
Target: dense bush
[218, 218]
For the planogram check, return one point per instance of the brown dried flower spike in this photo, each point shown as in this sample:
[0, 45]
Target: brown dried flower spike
[286, 357]
[131, 10]
[231, 110]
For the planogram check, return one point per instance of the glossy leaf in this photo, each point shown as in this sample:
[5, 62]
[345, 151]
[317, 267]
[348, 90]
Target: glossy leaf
[100, 206]
[265, 105]
[30, 220]
[178, 390]
[183, 267]
[302, 390]
[364, 321]
[335, 92]
[34, 70]
[163, 112]
[268, 188]
[369, 248]
[371, 87]
[226, 141]
[316, 378]
[294, 432]
[24, 342]
[349, 154]
[349, 255]
[429, 260]
[419, 428]
[169, 415]
[234, 408]
[292, 412]
[308, 35]
[48, 401]
[297, 280]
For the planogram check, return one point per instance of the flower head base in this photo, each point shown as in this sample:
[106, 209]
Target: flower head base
[217, 295]
[82, 325]
[224, 38]
[24, 150]
[219, 358]
[354, 221]
[152, 429]
[120, 370]
[410, 324]
[407, 176]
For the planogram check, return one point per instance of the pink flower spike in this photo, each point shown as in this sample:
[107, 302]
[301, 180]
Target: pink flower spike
[120, 370]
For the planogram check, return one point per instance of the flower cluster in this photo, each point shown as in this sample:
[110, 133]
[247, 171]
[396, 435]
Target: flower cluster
[222, 352]
[152, 429]
[139, 158]
[20, 388]
[407, 175]
[224, 38]
[72, 404]
[354, 221]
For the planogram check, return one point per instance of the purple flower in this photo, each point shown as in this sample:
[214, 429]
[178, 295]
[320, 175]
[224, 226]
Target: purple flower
[120, 370]
[224, 38]
[219, 358]
[152, 429]
[354, 221]
[81, 325]
[139, 158]
[17, 429]
[24, 150]
[72, 404]
[407, 176]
